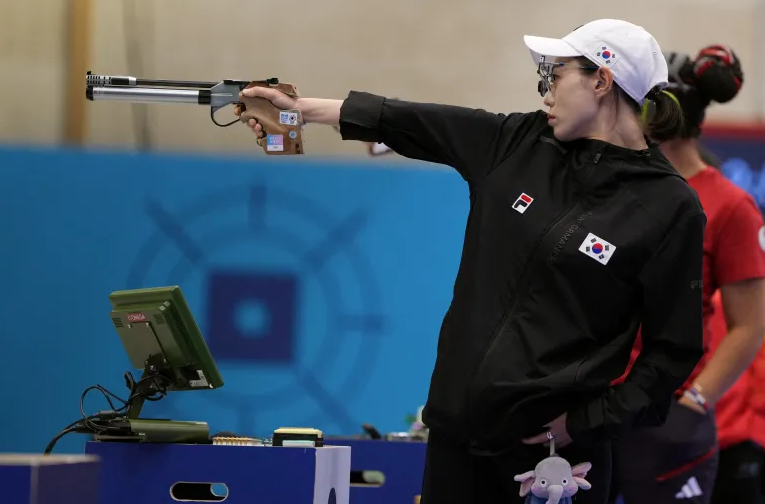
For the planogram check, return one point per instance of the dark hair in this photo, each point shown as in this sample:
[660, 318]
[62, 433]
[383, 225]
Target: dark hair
[661, 114]
[663, 118]
[714, 75]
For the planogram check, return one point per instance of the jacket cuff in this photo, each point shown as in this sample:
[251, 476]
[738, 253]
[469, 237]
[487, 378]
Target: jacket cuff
[360, 116]
[578, 426]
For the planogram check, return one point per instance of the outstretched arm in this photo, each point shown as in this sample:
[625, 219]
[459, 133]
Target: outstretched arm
[320, 110]
[472, 141]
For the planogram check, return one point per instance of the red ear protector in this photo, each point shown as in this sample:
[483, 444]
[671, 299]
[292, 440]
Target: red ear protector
[721, 55]
[718, 51]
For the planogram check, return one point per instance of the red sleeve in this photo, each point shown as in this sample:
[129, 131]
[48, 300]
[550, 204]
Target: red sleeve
[740, 245]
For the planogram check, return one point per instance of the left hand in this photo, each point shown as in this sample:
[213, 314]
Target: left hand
[558, 429]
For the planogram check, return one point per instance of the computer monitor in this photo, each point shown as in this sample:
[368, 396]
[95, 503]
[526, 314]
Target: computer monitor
[162, 339]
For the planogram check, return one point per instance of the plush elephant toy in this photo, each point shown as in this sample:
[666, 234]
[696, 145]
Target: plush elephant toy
[553, 481]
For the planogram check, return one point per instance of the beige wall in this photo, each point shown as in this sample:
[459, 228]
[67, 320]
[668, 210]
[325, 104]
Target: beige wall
[468, 53]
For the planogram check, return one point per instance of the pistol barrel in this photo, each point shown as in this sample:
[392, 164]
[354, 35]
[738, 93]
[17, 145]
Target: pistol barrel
[144, 95]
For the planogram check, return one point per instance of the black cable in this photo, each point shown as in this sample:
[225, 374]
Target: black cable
[106, 393]
[87, 424]
[135, 387]
[49, 448]
[75, 426]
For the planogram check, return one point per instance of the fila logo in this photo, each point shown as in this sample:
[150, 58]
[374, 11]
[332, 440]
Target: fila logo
[597, 248]
[690, 489]
[522, 203]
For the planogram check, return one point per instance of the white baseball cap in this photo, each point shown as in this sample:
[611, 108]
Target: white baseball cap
[632, 54]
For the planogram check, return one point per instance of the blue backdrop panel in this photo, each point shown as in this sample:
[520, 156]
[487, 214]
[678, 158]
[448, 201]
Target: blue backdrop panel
[742, 160]
[320, 287]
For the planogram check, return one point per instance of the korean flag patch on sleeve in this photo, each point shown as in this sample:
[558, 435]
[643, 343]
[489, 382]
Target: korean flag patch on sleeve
[597, 248]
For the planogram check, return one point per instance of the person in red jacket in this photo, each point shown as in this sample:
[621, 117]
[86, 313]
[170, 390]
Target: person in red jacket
[680, 459]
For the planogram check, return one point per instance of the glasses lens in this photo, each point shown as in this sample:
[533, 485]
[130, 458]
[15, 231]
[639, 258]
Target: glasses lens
[542, 88]
[544, 71]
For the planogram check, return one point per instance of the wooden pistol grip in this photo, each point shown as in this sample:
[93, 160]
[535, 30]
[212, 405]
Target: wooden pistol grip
[283, 128]
[288, 89]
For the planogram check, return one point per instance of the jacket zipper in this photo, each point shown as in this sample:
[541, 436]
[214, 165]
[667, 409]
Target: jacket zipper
[523, 283]
[522, 286]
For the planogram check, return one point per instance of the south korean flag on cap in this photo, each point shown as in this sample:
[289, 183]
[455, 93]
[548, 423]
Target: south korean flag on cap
[604, 54]
[597, 248]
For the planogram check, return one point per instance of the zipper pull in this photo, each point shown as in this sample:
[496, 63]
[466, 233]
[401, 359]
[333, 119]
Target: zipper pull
[597, 158]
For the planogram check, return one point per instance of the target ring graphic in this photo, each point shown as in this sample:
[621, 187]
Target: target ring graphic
[296, 272]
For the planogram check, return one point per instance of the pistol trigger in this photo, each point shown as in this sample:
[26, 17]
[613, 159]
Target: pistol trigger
[213, 110]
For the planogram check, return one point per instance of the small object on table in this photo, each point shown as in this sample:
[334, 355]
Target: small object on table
[236, 441]
[298, 436]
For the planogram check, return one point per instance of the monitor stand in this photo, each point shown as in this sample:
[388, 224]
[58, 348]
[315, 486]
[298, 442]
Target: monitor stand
[129, 428]
[154, 431]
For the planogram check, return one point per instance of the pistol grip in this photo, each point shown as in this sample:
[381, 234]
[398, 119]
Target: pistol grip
[283, 128]
[284, 136]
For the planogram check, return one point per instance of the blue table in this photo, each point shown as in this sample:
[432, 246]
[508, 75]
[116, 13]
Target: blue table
[159, 473]
[401, 463]
[53, 479]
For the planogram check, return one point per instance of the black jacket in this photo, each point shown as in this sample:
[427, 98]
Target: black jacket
[539, 323]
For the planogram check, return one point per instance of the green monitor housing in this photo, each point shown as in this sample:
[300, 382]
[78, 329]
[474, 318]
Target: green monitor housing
[161, 338]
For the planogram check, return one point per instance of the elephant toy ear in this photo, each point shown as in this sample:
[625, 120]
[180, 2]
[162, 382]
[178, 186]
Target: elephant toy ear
[581, 469]
[582, 483]
[526, 479]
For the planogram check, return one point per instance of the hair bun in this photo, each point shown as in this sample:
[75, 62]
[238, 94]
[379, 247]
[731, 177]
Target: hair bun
[717, 73]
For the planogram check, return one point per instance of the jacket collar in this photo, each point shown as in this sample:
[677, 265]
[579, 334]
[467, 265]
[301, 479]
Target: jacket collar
[597, 163]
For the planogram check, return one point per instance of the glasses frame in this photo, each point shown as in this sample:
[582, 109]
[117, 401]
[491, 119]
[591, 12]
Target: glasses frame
[545, 72]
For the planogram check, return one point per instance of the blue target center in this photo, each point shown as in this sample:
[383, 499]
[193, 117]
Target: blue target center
[253, 318]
